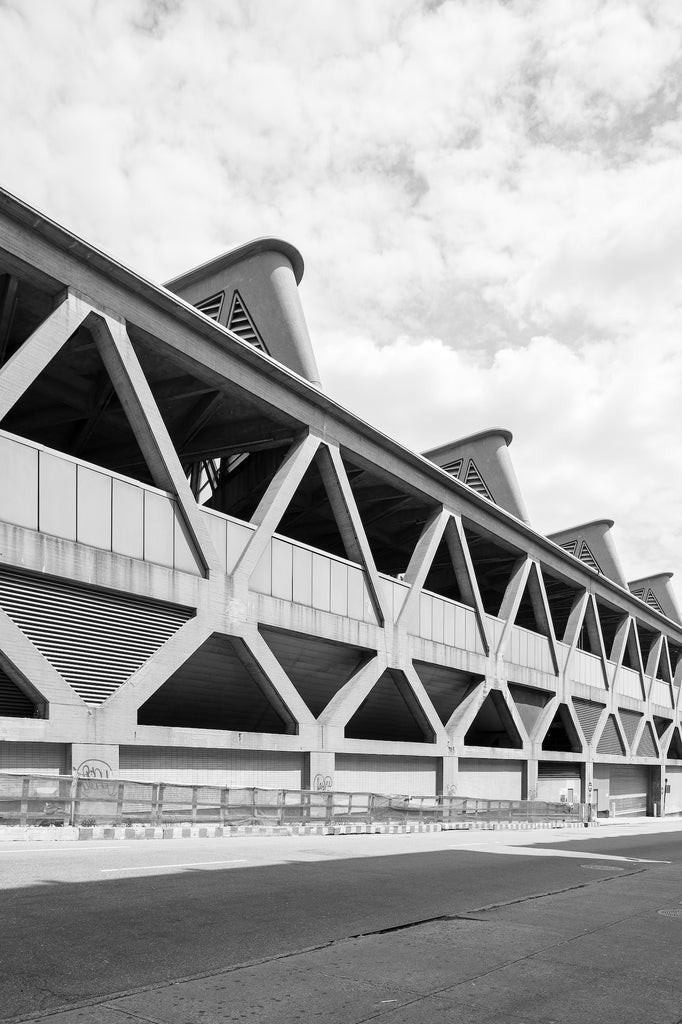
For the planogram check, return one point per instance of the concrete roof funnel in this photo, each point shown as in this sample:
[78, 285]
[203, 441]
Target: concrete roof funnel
[593, 544]
[482, 461]
[657, 592]
[254, 292]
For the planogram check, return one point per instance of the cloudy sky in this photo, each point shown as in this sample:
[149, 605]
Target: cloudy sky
[487, 195]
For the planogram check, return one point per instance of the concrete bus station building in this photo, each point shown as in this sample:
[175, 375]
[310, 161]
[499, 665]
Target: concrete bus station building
[210, 572]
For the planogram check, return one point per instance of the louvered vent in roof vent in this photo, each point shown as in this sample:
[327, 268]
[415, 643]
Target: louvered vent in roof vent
[453, 468]
[475, 481]
[639, 593]
[571, 546]
[587, 557]
[653, 601]
[239, 320]
[212, 305]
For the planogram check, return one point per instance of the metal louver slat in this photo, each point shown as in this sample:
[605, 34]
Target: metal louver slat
[610, 742]
[475, 481]
[587, 557]
[239, 321]
[589, 713]
[212, 305]
[94, 639]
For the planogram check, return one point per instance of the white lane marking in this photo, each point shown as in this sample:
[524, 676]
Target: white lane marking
[190, 864]
[45, 847]
[529, 851]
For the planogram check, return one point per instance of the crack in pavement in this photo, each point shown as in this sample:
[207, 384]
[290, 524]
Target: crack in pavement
[465, 916]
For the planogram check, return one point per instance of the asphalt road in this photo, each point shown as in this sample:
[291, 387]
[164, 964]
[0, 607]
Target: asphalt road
[83, 922]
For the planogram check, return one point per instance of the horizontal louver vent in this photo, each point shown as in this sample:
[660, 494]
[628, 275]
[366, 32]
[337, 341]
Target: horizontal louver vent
[609, 741]
[94, 639]
[647, 744]
[589, 713]
[241, 323]
[630, 720]
[212, 305]
[639, 593]
[587, 557]
[13, 702]
[475, 481]
[453, 468]
[653, 601]
[571, 546]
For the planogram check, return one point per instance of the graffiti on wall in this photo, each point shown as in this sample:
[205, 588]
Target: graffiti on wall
[323, 783]
[94, 773]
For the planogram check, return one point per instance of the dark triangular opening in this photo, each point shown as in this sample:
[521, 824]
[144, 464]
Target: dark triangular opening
[72, 407]
[561, 597]
[588, 635]
[390, 712]
[441, 578]
[446, 687]
[562, 734]
[675, 747]
[493, 725]
[647, 744]
[310, 518]
[229, 442]
[663, 667]
[17, 699]
[317, 668]
[588, 712]
[674, 651]
[610, 741]
[661, 724]
[525, 616]
[392, 516]
[529, 704]
[647, 639]
[630, 655]
[493, 566]
[218, 687]
[610, 619]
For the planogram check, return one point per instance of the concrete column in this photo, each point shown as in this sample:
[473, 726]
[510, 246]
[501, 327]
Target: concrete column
[95, 760]
[658, 778]
[588, 783]
[321, 770]
[449, 774]
[532, 778]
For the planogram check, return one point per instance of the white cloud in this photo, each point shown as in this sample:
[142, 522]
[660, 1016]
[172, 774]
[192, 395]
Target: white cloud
[486, 196]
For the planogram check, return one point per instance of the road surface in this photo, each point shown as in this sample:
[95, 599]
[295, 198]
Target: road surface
[469, 927]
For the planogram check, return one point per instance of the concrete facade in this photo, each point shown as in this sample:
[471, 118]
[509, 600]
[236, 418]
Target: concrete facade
[212, 573]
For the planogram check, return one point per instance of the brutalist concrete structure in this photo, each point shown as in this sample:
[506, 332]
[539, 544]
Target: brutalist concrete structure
[210, 572]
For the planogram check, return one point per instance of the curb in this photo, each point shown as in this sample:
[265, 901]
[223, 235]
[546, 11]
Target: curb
[82, 833]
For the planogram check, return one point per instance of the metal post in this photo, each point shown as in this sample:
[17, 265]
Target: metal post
[119, 803]
[23, 813]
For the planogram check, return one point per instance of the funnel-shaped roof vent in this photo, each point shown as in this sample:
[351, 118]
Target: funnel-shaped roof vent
[482, 462]
[253, 291]
[657, 592]
[593, 544]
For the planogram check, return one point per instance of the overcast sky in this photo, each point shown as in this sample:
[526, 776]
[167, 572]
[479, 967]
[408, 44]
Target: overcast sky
[487, 195]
